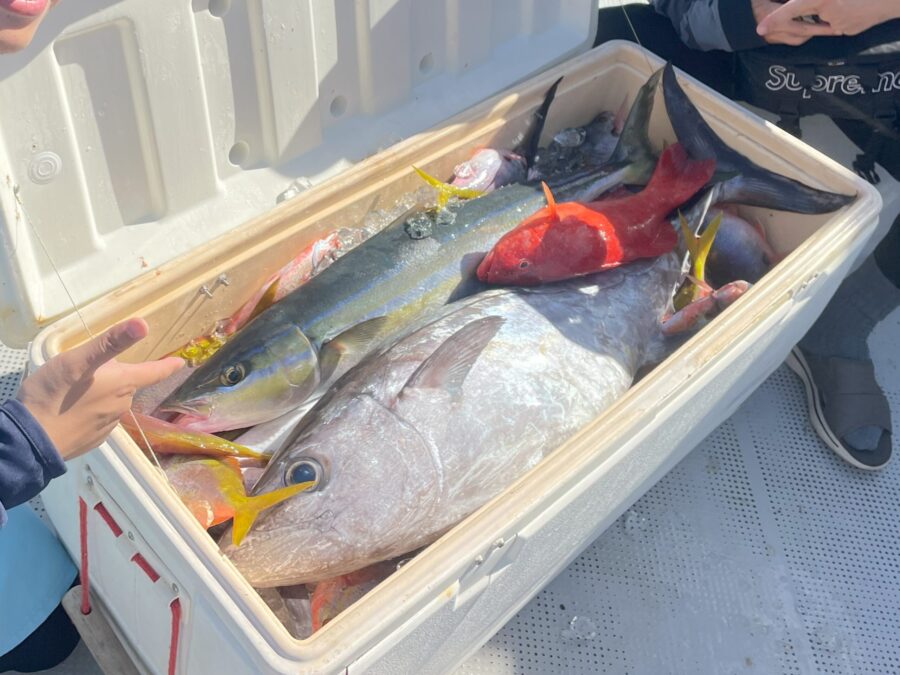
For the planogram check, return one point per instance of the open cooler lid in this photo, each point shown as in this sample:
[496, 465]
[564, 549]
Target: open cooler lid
[132, 132]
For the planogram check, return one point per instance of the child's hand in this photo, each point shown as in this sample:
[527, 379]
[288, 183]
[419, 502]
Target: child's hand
[79, 395]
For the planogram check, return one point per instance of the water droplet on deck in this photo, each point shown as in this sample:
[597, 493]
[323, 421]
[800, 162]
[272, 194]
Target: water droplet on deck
[580, 628]
[634, 523]
[829, 639]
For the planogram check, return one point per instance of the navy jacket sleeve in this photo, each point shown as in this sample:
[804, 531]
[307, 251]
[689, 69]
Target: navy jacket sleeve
[28, 459]
[712, 24]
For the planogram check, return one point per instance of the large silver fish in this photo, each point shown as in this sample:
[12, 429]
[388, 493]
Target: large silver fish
[415, 438]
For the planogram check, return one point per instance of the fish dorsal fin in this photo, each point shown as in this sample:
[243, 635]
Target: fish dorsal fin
[531, 138]
[449, 364]
[266, 301]
[634, 141]
[355, 342]
[551, 202]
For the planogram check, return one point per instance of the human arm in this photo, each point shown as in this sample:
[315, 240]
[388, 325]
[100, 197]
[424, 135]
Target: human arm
[69, 406]
[713, 24]
[731, 25]
[28, 460]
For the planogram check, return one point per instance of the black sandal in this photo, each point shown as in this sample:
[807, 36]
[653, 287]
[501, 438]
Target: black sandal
[844, 395]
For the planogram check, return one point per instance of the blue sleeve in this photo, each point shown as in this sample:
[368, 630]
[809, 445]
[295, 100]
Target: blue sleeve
[712, 24]
[28, 459]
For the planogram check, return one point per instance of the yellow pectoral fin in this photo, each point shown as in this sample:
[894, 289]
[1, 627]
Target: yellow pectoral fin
[248, 508]
[445, 190]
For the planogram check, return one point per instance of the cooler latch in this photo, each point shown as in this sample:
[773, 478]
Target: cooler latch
[485, 568]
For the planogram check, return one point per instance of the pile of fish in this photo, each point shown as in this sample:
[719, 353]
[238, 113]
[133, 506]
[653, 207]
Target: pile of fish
[527, 301]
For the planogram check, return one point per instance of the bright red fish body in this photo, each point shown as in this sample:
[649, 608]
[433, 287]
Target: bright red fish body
[571, 239]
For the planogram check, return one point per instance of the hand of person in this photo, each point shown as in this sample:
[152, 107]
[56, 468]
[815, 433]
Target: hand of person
[839, 17]
[784, 31]
[79, 395]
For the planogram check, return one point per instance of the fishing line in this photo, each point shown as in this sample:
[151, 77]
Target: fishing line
[84, 324]
[636, 38]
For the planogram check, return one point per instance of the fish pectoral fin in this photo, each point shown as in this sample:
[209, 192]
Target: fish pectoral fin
[449, 364]
[445, 190]
[356, 341]
[246, 509]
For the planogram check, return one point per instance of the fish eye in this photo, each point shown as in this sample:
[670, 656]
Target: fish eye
[232, 375]
[306, 470]
[523, 264]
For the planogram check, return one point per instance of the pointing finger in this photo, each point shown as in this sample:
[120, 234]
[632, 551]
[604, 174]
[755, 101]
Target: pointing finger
[107, 346]
[142, 375]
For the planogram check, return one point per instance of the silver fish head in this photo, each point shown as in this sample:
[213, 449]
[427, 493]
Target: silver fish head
[374, 482]
[256, 377]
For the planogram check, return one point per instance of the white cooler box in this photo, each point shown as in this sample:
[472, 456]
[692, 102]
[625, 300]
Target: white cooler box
[140, 146]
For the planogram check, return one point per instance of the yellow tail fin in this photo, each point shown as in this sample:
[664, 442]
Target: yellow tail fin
[445, 190]
[698, 248]
[246, 509]
[704, 245]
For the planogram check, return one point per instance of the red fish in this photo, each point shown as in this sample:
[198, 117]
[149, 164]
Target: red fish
[333, 596]
[571, 239]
